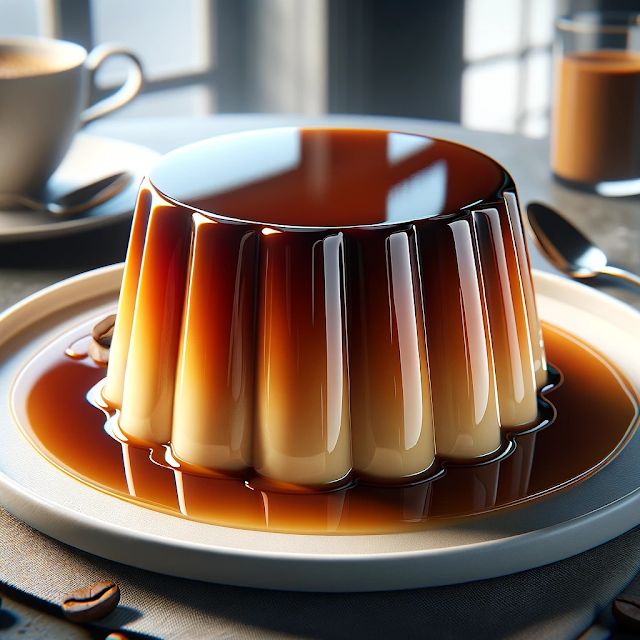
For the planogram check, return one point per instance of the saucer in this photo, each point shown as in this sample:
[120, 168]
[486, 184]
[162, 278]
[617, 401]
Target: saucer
[90, 158]
[557, 527]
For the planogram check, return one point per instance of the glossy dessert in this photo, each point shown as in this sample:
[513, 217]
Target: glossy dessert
[315, 306]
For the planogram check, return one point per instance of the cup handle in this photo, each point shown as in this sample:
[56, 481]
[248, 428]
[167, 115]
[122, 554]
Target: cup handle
[124, 94]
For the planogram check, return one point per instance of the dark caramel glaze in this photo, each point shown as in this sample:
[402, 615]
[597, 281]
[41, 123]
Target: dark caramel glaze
[322, 304]
[66, 420]
[328, 177]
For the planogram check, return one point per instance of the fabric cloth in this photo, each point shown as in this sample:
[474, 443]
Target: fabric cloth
[556, 601]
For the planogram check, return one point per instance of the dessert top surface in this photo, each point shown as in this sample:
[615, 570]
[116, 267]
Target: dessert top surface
[327, 177]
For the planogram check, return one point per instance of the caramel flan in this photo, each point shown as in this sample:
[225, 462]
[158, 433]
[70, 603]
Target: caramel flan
[315, 305]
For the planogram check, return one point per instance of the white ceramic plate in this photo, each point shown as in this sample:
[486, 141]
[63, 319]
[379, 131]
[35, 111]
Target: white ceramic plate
[546, 531]
[90, 158]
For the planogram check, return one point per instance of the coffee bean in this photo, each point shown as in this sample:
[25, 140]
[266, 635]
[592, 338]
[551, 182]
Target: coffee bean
[99, 353]
[89, 604]
[102, 333]
[626, 609]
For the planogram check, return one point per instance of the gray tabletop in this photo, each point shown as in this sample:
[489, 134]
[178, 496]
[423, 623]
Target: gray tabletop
[557, 601]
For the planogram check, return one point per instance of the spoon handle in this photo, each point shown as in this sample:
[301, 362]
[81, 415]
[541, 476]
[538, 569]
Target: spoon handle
[616, 272]
[13, 199]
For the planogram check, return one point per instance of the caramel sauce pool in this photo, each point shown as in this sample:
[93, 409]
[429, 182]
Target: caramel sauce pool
[57, 402]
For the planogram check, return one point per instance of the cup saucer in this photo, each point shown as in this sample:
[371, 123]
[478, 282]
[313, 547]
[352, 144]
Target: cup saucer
[89, 158]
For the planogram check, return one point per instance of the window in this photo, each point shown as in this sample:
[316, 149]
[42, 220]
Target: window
[174, 41]
[507, 75]
[199, 56]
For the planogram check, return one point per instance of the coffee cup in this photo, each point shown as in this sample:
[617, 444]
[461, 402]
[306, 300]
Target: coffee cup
[44, 99]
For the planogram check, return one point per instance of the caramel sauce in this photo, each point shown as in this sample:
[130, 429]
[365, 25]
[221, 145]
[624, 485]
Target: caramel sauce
[327, 177]
[589, 413]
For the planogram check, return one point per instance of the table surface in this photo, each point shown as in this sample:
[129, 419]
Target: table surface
[29, 266]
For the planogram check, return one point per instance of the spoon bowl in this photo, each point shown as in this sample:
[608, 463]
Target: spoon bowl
[77, 201]
[568, 249]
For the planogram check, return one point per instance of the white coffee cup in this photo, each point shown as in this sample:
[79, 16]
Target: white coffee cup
[44, 96]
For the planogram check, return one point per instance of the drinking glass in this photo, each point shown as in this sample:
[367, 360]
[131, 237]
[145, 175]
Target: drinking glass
[595, 141]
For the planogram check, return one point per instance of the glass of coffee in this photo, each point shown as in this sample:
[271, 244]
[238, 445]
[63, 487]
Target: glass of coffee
[595, 142]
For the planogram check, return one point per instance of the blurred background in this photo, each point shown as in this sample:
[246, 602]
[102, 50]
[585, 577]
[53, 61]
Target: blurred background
[483, 63]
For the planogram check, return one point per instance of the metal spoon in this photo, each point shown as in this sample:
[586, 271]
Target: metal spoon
[76, 201]
[568, 248]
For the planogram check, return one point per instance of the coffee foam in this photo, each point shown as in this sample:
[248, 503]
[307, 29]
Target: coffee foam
[18, 64]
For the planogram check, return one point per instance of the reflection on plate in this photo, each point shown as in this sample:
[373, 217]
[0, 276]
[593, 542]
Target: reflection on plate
[90, 158]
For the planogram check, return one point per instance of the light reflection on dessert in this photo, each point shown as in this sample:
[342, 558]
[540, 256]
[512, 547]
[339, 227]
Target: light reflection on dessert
[405, 198]
[316, 355]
